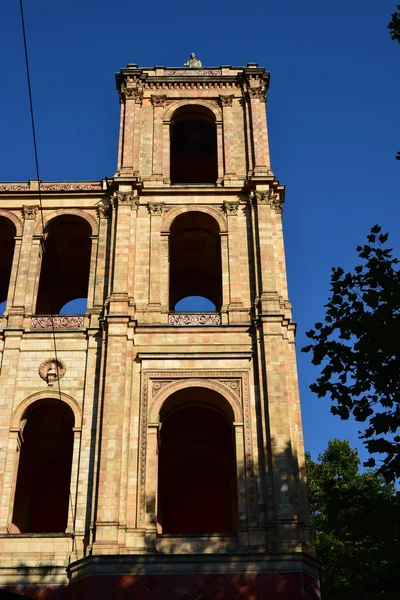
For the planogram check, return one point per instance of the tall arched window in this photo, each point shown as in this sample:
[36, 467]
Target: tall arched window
[7, 245]
[65, 268]
[195, 259]
[193, 146]
[197, 491]
[44, 470]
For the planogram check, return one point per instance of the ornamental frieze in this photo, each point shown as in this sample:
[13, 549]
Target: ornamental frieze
[75, 322]
[193, 72]
[194, 319]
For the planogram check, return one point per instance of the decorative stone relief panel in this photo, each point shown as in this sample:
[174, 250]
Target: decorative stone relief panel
[236, 383]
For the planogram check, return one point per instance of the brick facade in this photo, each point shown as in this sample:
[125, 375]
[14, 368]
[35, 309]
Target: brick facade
[130, 353]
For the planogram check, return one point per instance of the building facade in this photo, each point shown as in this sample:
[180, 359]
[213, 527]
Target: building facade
[147, 451]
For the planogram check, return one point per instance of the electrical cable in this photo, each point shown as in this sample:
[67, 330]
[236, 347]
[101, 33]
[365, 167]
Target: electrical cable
[61, 403]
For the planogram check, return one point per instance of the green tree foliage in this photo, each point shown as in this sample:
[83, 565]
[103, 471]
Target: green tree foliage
[359, 346]
[394, 25]
[355, 519]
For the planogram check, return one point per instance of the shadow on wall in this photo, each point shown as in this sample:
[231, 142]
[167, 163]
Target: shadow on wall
[207, 580]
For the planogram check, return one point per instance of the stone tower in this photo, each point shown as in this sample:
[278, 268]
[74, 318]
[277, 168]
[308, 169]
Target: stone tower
[148, 451]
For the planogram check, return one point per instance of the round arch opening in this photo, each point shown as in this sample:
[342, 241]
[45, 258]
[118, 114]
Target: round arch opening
[64, 274]
[41, 498]
[7, 245]
[195, 259]
[197, 490]
[193, 146]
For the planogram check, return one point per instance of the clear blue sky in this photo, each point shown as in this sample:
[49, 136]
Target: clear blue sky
[333, 114]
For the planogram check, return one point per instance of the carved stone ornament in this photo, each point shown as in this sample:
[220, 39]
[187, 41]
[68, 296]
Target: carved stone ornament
[258, 93]
[193, 62]
[70, 187]
[135, 94]
[156, 208]
[271, 198]
[126, 199]
[226, 100]
[73, 322]
[52, 370]
[158, 101]
[103, 212]
[186, 320]
[194, 73]
[29, 212]
[231, 207]
[14, 187]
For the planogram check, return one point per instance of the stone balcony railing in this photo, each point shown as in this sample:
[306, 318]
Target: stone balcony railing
[57, 322]
[194, 319]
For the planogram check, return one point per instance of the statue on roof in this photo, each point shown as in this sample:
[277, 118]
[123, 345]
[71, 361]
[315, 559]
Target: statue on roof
[193, 61]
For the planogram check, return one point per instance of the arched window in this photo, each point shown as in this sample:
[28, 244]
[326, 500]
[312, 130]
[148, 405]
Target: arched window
[197, 472]
[65, 268]
[44, 470]
[195, 259]
[7, 244]
[193, 146]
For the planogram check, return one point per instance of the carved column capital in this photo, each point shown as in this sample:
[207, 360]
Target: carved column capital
[103, 211]
[158, 100]
[29, 212]
[156, 208]
[271, 198]
[135, 94]
[226, 100]
[231, 207]
[258, 93]
[126, 199]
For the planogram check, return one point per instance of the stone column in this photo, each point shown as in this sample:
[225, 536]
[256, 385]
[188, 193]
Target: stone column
[10, 475]
[265, 238]
[151, 476]
[158, 103]
[241, 475]
[220, 151]
[124, 202]
[72, 506]
[231, 209]
[156, 212]
[103, 257]
[129, 162]
[166, 152]
[121, 129]
[17, 310]
[260, 133]
[226, 297]
[228, 134]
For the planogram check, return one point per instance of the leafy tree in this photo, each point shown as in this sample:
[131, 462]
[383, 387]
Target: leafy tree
[394, 25]
[359, 344]
[355, 519]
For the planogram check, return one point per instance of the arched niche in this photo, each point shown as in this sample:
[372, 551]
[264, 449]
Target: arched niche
[8, 232]
[197, 480]
[193, 145]
[42, 492]
[195, 258]
[64, 274]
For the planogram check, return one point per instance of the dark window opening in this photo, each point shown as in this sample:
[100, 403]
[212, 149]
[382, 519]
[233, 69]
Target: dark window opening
[7, 245]
[197, 466]
[193, 146]
[44, 471]
[65, 268]
[195, 259]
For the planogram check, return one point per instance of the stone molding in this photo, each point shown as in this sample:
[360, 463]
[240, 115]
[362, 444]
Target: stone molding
[29, 212]
[194, 319]
[231, 207]
[237, 385]
[158, 101]
[70, 187]
[57, 322]
[271, 198]
[226, 100]
[155, 208]
[14, 187]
